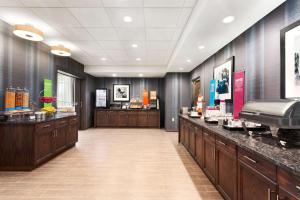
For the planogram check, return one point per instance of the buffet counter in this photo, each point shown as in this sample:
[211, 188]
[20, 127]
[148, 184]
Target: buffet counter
[26, 144]
[122, 118]
[237, 163]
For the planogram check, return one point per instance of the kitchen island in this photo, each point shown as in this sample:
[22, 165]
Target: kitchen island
[26, 144]
[240, 166]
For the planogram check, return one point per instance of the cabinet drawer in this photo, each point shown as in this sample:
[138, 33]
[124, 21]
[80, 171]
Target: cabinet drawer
[225, 145]
[288, 182]
[62, 122]
[44, 127]
[73, 120]
[263, 166]
[209, 135]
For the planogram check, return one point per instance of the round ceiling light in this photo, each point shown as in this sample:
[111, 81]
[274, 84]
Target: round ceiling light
[228, 19]
[127, 19]
[138, 59]
[201, 47]
[134, 46]
[60, 50]
[28, 32]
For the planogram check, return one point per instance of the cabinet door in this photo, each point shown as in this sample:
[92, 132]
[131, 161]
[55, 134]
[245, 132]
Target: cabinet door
[72, 136]
[181, 131]
[123, 119]
[44, 145]
[113, 118]
[199, 145]
[132, 118]
[153, 119]
[285, 195]
[61, 134]
[252, 185]
[142, 119]
[102, 118]
[186, 135]
[209, 164]
[226, 168]
[192, 140]
[289, 185]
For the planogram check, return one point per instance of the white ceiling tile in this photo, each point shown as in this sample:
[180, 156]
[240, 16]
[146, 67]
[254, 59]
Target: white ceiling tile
[162, 34]
[103, 33]
[90, 47]
[185, 14]
[117, 55]
[131, 34]
[117, 14]
[82, 3]
[91, 17]
[60, 17]
[76, 33]
[111, 45]
[122, 3]
[160, 45]
[42, 3]
[190, 3]
[162, 17]
[128, 45]
[163, 3]
[15, 3]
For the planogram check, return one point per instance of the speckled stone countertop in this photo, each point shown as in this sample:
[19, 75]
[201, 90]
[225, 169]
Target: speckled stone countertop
[288, 159]
[31, 122]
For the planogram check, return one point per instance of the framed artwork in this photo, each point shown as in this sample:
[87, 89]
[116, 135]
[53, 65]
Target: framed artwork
[223, 78]
[196, 87]
[290, 68]
[121, 92]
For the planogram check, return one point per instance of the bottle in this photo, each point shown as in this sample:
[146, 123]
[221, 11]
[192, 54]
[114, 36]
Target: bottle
[223, 106]
[10, 95]
[25, 104]
[19, 99]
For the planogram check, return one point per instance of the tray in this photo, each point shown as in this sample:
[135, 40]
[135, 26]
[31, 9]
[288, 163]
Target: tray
[194, 116]
[210, 122]
[230, 128]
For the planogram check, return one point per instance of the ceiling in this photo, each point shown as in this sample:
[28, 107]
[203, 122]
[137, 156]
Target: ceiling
[167, 32]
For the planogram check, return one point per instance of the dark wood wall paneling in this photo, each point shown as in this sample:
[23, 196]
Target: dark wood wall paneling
[27, 64]
[257, 51]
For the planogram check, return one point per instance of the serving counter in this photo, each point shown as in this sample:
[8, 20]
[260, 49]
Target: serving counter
[238, 164]
[26, 144]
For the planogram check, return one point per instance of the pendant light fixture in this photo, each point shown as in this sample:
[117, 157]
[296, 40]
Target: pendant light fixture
[28, 32]
[60, 50]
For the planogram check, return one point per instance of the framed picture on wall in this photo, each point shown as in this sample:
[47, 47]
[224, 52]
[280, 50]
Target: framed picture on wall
[290, 67]
[121, 92]
[223, 78]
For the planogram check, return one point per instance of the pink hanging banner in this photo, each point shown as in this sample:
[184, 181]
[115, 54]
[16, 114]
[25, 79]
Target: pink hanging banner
[238, 93]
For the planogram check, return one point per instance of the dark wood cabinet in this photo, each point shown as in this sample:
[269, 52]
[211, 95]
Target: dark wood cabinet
[209, 151]
[226, 168]
[186, 140]
[192, 138]
[127, 118]
[255, 178]
[35, 143]
[289, 185]
[199, 145]
[181, 131]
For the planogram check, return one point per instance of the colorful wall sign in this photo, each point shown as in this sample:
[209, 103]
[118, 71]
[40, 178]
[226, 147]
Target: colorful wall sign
[238, 93]
[212, 88]
[47, 91]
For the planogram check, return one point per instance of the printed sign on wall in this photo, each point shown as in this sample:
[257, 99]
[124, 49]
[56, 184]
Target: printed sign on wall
[212, 87]
[238, 93]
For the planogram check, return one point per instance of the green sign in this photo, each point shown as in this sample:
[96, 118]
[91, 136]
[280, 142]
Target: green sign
[47, 91]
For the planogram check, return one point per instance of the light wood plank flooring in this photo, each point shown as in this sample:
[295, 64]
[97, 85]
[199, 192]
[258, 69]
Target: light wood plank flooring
[114, 164]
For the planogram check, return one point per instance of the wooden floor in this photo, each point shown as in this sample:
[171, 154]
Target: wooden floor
[114, 164]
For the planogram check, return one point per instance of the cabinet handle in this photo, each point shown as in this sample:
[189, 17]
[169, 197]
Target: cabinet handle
[222, 143]
[206, 134]
[298, 187]
[214, 153]
[46, 126]
[250, 159]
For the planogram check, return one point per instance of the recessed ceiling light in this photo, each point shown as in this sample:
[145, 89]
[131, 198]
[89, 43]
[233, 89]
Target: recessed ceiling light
[201, 47]
[228, 19]
[127, 19]
[104, 59]
[188, 60]
[138, 59]
[141, 75]
[28, 32]
[114, 75]
[60, 50]
[134, 45]
[181, 68]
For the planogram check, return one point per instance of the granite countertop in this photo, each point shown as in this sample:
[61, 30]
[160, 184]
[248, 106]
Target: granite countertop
[31, 122]
[268, 148]
[129, 109]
